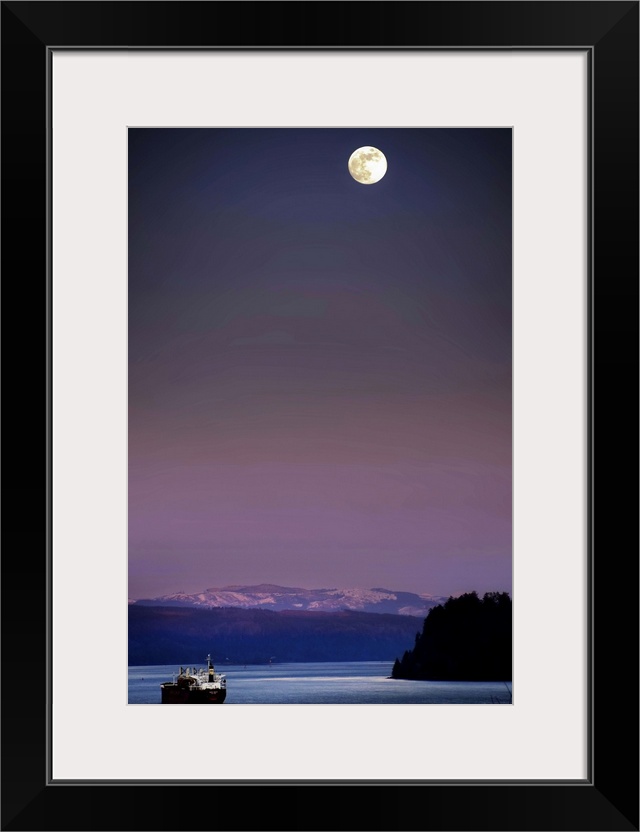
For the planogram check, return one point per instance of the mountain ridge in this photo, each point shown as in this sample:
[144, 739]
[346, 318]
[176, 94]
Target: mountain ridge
[279, 598]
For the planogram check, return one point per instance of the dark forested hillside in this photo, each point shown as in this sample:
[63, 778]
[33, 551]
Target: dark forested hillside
[174, 635]
[467, 638]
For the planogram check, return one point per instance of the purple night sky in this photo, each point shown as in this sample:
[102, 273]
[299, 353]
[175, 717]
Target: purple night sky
[319, 370]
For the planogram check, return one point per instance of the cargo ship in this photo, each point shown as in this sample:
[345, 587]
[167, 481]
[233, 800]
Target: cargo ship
[193, 687]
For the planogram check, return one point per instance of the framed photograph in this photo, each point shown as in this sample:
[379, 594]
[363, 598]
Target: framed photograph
[319, 412]
[342, 307]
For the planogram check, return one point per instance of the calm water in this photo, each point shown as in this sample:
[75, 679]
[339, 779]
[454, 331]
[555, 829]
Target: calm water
[322, 683]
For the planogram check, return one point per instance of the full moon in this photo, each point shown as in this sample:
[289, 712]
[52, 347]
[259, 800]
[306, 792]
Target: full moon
[367, 165]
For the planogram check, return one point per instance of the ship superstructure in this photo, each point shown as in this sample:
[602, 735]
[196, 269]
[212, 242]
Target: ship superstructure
[196, 686]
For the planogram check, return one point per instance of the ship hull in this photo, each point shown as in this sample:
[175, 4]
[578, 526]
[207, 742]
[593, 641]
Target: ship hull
[173, 695]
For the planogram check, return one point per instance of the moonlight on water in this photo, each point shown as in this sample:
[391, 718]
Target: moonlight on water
[367, 165]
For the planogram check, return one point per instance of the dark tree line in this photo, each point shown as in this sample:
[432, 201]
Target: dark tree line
[466, 639]
[184, 635]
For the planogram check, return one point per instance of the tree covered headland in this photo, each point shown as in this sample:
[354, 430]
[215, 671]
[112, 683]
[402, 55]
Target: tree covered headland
[466, 639]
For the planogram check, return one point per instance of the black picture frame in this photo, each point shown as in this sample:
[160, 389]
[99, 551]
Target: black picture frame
[608, 798]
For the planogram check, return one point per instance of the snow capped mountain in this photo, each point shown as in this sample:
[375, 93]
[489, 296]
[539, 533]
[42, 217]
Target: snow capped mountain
[276, 598]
